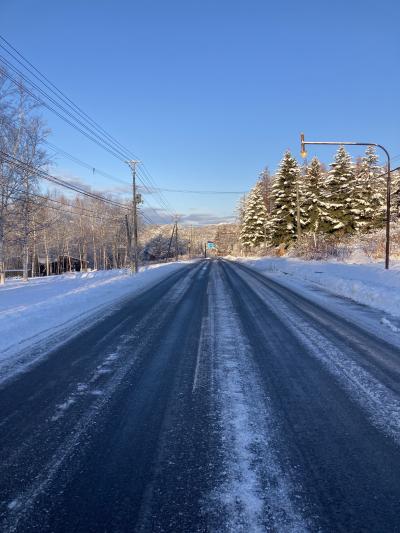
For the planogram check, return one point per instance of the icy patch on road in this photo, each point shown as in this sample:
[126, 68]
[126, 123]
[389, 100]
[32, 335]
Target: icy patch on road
[96, 392]
[203, 340]
[83, 389]
[14, 504]
[62, 407]
[103, 370]
[248, 433]
[390, 325]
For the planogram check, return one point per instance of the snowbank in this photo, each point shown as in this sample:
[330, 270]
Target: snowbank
[31, 311]
[368, 284]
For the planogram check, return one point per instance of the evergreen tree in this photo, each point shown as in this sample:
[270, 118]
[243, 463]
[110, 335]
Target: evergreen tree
[240, 210]
[314, 204]
[286, 192]
[369, 193]
[254, 218]
[395, 196]
[340, 188]
[266, 181]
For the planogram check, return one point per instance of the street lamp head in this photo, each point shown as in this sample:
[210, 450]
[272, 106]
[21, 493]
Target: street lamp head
[303, 151]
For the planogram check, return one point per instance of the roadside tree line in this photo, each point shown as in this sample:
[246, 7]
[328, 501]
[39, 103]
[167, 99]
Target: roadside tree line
[313, 205]
[45, 230]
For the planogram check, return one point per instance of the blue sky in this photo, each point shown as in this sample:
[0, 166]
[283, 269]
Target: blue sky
[207, 93]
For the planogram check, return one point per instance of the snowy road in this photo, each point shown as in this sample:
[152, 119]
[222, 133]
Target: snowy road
[218, 400]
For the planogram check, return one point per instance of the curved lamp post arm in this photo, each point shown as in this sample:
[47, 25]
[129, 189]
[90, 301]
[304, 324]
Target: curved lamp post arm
[303, 152]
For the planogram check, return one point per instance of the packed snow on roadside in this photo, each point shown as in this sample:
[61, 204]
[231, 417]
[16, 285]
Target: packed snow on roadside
[29, 312]
[369, 283]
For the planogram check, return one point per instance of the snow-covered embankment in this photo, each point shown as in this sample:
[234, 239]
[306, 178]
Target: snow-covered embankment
[368, 283]
[31, 312]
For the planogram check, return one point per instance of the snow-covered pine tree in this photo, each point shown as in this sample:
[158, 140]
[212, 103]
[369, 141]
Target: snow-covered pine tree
[369, 193]
[286, 193]
[240, 209]
[395, 197]
[266, 181]
[314, 195]
[340, 188]
[254, 219]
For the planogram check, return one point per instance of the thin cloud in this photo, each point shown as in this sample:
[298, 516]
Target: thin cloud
[201, 219]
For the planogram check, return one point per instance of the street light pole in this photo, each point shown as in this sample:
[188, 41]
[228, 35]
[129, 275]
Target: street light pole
[134, 250]
[303, 153]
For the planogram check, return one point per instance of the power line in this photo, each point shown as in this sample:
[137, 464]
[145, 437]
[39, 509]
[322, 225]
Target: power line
[70, 155]
[155, 211]
[67, 212]
[148, 219]
[385, 173]
[57, 92]
[143, 170]
[92, 213]
[72, 206]
[68, 119]
[200, 191]
[103, 173]
[72, 113]
[84, 164]
[95, 133]
[51, 86]
[26, 167]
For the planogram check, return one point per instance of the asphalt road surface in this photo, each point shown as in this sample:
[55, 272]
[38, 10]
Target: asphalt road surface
[217, 400]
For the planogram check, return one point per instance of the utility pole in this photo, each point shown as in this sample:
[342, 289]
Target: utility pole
[170, 241]
[128, 238]
[191, 242]
[298, 218]
[134, 250]
[26, 208]
[176, 240]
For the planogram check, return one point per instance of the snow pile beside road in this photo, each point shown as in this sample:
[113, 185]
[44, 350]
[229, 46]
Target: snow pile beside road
[31, 311]
[368, 284]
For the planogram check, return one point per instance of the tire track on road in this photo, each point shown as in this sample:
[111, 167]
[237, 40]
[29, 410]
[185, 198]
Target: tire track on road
[347, 466]
[60, 443]
[258, 492]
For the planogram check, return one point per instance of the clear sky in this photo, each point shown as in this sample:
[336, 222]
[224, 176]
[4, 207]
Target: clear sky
[207, 93]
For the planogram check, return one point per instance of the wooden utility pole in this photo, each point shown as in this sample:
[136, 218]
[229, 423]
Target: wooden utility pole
[170, 241]
[25, 243]
[128, 238]
[191, 242]
[176, 241]
[134, 249]
[298, 217]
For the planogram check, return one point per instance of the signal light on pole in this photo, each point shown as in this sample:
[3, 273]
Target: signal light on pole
[303, 151]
